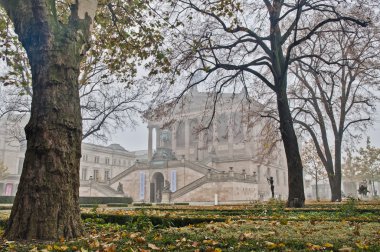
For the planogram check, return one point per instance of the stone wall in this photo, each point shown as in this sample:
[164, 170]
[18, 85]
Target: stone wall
[226, 191]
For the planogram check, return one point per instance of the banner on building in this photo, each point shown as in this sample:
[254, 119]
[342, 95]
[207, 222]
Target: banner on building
[173, 182]
[142, 185]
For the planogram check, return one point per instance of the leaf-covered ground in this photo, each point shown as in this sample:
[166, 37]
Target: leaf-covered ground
[269, 227]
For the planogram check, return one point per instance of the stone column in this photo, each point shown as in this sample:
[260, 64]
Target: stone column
[214, 132]
[187, 138]
[174, 137]
[150, 151]
[158, 139]
[231, 139]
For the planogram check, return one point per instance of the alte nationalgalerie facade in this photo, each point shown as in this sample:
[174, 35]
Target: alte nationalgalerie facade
[222, 162]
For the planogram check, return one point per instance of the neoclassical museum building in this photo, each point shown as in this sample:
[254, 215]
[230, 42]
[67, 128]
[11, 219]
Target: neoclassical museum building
[190, 158]
[223, 162]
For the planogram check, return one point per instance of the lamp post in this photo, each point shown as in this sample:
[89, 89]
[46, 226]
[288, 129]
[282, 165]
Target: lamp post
[91, 179]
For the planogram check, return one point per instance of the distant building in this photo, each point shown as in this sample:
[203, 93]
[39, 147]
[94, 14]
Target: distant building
[98, 164]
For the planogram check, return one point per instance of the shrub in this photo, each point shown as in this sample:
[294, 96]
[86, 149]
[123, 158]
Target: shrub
[117, 205]
[7, 199]
[142, 204]
[89, 205]
[105, 200]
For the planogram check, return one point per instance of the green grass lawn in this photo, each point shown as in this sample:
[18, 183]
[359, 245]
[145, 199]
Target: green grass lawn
[349, 226]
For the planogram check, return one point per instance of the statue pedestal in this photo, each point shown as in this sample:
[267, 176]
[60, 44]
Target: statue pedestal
[166, 196]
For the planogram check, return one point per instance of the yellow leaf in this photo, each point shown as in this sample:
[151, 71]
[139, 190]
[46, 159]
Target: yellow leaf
[345, 249]
[64, 247]
[328, 245]
[361, 245]
[83, 250]
[270, 245]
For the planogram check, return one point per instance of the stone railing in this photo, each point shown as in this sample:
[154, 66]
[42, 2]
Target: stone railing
[137, 166]
[189, 187]
[103, 188]
[215, 177]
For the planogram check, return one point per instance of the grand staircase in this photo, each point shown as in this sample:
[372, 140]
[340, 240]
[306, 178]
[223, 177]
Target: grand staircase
[209, 175]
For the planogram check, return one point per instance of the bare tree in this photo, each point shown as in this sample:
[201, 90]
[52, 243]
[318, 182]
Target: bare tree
[108, 100]
[313, 165]
[333, 102]
[238, 44]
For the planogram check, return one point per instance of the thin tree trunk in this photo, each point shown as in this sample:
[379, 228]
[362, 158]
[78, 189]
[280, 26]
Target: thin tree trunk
[336, 178]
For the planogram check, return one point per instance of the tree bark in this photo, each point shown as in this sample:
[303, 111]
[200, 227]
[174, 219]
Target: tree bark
[296, 197]
[46, 206]
[335, 178]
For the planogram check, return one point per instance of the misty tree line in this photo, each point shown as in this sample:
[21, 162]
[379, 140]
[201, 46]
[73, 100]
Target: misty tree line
[314, 64]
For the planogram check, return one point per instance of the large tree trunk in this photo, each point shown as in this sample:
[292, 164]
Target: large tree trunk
[296, 196]
[46, 206]
[47, 200]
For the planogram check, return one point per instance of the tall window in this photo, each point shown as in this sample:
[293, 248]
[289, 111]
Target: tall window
[107, 160]
[84, 173]
[107, 175]
[96, 175]
[85, 157]
[96, 159]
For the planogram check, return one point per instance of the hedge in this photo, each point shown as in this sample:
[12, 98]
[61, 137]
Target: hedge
[142, 204]
[82, 200]
[105, 200]
[117, 205]
[158, 221]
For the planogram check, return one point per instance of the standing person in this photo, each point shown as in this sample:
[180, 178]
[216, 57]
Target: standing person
[271, 182]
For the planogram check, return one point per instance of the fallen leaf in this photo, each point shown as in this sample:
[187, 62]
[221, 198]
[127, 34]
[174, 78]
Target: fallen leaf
[152, 246]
